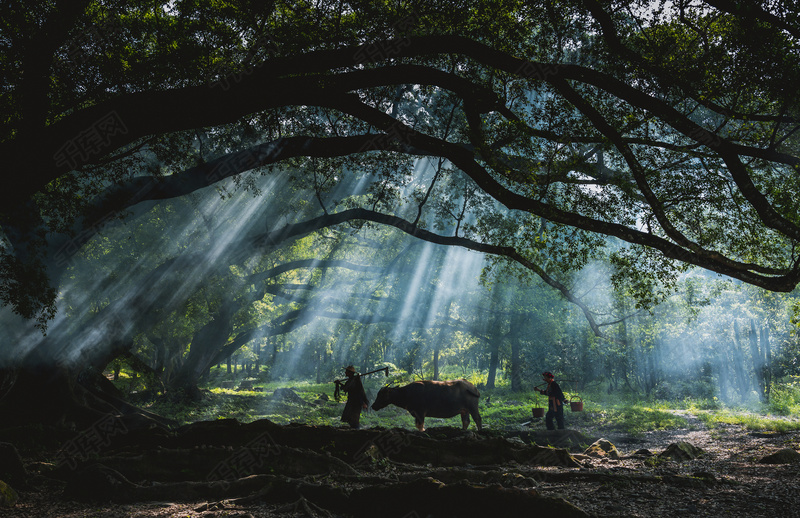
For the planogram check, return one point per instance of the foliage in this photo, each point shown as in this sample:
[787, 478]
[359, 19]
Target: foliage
[299, 189]
[750, 421]
[784, 399]
[635, 420]
[500, 410]
[679, 388]
[573, 162]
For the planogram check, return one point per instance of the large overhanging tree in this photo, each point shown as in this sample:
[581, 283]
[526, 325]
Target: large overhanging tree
[669, 126]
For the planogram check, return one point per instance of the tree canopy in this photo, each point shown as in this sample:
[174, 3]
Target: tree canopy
[660, 135]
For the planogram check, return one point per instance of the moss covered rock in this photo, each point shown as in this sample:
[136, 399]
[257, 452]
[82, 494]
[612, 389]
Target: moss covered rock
[11, 468]
[784, 456]
[682, 451]
[8, 497]
[602, 448]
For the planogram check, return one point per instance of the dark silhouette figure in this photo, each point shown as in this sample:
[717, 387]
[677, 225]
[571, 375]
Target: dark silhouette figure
[356, 398]
[555, 404]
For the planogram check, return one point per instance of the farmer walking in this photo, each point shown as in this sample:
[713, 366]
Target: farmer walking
[356, 398]
[555, 405]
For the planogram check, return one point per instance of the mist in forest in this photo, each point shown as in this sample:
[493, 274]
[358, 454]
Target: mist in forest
[404, 302]
[147, 272]
[722, 346]
[142, 271]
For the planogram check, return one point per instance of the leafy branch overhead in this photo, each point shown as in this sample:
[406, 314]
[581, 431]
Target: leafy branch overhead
[573, 129]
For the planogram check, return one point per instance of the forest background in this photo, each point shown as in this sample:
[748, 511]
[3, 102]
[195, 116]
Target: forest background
[604, 190]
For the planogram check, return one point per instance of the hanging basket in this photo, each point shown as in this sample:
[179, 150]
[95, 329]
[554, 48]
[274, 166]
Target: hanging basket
[576, 406]
[537, 410]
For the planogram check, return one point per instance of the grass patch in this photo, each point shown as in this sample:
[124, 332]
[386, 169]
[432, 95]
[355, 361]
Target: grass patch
[500, 409]
[218, 404]
[503, 417]
[749, 420]
[635, 420]
[785, 399]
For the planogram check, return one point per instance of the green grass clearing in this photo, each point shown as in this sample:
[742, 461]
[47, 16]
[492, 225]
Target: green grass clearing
[500, 410]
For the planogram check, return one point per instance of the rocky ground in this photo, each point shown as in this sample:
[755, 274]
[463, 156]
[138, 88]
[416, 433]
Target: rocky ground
[740, 484]
[320, 471]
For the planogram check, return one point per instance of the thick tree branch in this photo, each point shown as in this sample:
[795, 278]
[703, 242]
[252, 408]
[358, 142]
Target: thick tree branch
[269, 240]
[324, 78]
[746, 9]
[773, 279]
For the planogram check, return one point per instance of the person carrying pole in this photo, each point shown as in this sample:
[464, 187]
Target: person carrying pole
[555, 406]
[356, 397]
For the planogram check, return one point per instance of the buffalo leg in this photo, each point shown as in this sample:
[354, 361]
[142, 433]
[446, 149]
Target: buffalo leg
[464, 420]
[419, 420]
[477, 418]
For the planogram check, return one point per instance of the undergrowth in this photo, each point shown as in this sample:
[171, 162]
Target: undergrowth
[501, 409]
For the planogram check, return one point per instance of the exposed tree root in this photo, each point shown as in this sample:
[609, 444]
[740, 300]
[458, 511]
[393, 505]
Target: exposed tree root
[309, 509]
[234, 464]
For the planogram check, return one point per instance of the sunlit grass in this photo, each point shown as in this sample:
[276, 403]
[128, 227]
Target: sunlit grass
[501, 409]
[635, 420]
[749, 420]
[785, 399]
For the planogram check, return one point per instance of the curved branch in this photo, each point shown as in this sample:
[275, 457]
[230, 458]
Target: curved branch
[772, 279]
[175, 109]
[747, 10]
[268, 240]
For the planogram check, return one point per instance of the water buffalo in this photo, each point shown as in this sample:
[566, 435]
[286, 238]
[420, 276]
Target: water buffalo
[433, 399]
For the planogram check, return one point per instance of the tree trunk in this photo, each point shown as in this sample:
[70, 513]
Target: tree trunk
[758, 362]
[53, 396]
[203, 351]
[516, 370]
[318, 362]
[766, 346]
[516, 360]
[738, 363]
[651, 374]
[494, 360]
[722, 372]
[495, 333]
[274, 356]
[436, 363]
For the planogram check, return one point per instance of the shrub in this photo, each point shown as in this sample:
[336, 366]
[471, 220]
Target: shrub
[785, 399]
[685, 389]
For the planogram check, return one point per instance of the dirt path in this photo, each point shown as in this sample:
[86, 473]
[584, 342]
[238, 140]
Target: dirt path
[740, 485]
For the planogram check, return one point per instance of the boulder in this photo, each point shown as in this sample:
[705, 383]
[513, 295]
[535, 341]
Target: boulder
[602, 448]
[784, 456]
[246, 385]
[8, 497]
[682, 451]
[11, 468]
[287, 395]
[544, 456]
